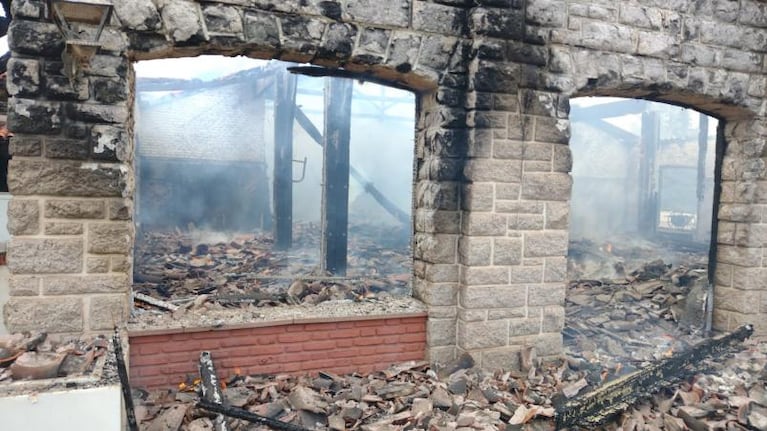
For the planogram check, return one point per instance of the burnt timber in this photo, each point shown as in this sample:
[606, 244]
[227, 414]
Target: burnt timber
[598, 406]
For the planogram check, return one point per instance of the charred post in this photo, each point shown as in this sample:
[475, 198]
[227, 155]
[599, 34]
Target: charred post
[335, 174]
[284, 114]
[601, 404]
[210, 388]
[648, 211]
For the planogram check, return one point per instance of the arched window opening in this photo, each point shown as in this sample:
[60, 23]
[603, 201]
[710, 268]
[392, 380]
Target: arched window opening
[258, 186]
[640, 230]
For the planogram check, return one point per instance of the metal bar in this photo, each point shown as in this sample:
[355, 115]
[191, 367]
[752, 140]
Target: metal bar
[122, 372]
[245, 415]
[385, 203]
[284, 114]
[597, 406]
[335, 175]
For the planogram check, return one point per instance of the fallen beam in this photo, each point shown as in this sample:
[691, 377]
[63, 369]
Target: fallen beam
[596, 407]
[245, 415]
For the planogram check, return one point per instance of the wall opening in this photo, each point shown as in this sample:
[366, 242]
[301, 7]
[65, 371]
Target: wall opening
[257, 186]
[640, 230]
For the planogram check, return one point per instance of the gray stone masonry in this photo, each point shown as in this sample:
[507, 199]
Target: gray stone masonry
[492, 185]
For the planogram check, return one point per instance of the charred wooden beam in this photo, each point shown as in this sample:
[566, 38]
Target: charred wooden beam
[318, 72]
[596, 407]
[284, 114]
[370, 188]
[211, 388]
[245, 415]
[122, 372]
[335, 175]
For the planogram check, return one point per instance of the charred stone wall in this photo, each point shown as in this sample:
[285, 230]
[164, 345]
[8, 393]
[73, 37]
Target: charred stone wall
[493, 79]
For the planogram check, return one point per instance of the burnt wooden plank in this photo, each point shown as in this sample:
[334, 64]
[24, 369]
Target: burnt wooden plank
[210, 388]
[597, 406]
[284, 115]
[335, 174]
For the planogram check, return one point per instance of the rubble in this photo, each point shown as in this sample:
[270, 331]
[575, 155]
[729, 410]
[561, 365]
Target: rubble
[35, 357]
[614, 327]
[175, 269]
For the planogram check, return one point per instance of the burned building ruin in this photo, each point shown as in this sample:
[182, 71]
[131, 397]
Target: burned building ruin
[492, 82]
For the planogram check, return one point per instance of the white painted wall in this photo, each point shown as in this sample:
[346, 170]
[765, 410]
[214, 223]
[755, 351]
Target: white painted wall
[94, 409]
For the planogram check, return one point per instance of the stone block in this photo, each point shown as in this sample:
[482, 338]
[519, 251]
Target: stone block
[97, 113]
[522, 327]
[507, 251]
[182, 20]
[443, 312]
[741, 301]
[740, 256]
[56, 228]
[436, 195]
[403, 51]
[496, 77]
[138, 15]
[475, 251]
[478, 196]
[546, 294]
[437, 18]
[75, 209]
[97, 264]
[472, 315]
[440, 332]
[488, 297]
[109, 90]
[73, 149]
[739, 213]
[499, 22]
[79, 285]
[221, 19]
[26, 146]
[261, 28]
[525, 274]
[440, 355]
[34, 9]
[436, 294]
[107, 311]
[505, 149]
[484, 275]
[548, 344]
[35, 38]
[23, 285]
[436, 248]
[395, 13]
[45, 256]
[557, 215]
[52, 315]
[120, 209]
[505, 358]
[506, 313]
[749, 278]
[491, 170]
[555, 270]
[34, 117]
[520, 207]
[109, 238]
[484, 224]
[122, 264]
[546, 186]
[507, 191]
[548, 243]
[553, 130]
[23, 217]
[482, 335]
[59, 87]
[432, 221]
[23, 77]
[553, 318]
[64, 178]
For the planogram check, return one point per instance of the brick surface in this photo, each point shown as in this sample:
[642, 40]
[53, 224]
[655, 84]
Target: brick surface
[161, 361]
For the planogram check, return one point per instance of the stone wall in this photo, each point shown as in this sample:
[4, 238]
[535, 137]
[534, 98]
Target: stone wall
[493, 79]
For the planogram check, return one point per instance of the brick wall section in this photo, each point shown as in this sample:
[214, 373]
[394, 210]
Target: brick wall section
[165, 360]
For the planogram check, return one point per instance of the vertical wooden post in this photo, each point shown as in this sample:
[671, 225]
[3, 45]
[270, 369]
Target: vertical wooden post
[335, 174]
[284, 114]
[648, 196]
[701, 226]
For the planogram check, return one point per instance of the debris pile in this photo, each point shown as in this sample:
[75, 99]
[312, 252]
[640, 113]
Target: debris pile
[624, 324]
[34, 357]
[175, 267]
